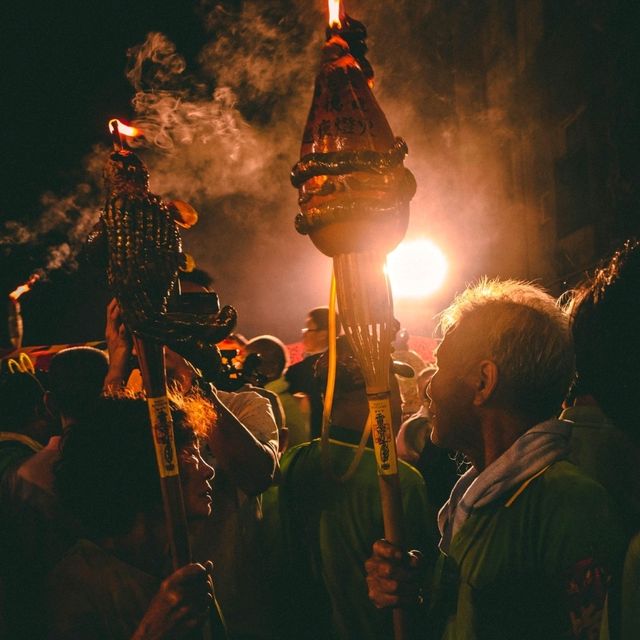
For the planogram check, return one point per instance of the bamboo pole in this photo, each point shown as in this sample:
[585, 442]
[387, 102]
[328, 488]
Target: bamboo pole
[366, 311]
[154, 379]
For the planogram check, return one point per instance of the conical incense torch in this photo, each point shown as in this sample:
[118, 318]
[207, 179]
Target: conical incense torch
[14, 316]
[354, 195]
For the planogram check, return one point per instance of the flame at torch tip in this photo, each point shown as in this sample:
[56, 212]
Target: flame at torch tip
[335, 12]
[23, 288]
[123, 129]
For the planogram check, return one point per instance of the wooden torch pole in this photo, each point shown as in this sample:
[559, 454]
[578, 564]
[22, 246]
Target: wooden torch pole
[389, 482]
[366, 311]
[154, 378]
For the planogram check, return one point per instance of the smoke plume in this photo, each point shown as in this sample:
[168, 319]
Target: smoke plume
[224, 134]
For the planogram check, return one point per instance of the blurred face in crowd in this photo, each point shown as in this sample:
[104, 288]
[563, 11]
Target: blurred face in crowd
[314, 339]
[195, 475]
[424, 379]
[451, 396]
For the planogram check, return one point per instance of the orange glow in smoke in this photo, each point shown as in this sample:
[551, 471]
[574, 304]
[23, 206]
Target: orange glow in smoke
[335, 12]
[23, 288]
[123, 129]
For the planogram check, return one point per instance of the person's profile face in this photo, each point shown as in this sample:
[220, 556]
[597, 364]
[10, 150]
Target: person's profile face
[195, 476]
[450, 397]
[313, 338]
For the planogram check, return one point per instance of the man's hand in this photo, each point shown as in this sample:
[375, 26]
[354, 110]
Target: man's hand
[394, 578]
[119, 344]
[118, 338]
[180, 606]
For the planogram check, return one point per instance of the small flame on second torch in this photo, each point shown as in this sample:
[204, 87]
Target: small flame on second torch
[24, 288]
[119, 131]
[116, 125]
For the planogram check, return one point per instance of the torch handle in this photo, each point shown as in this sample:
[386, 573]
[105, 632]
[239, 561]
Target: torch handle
[391, 501]
[154, 378]
[389, 481]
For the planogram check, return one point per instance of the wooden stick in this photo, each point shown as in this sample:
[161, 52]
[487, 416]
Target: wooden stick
[389, 482]
[364, 300]
[154, 378]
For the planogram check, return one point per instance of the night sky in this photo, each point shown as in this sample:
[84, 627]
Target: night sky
[63, 77]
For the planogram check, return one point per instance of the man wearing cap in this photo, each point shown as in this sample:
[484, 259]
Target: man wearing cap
[323, 527]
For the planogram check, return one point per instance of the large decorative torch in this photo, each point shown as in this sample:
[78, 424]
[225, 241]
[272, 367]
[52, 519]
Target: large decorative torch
[139, 233]
[354, 195]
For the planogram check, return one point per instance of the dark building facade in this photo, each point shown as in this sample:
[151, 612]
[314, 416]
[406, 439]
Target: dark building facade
[543, 96]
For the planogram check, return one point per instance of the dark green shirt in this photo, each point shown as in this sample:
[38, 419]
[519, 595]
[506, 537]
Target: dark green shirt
[322, 533]
[532, 565]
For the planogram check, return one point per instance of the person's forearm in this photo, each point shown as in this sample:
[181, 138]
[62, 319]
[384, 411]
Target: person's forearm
[119, 346]
[118, 373]
[250, 463]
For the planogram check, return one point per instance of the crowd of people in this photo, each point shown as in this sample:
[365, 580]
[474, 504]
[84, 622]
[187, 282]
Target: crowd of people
[519, 449]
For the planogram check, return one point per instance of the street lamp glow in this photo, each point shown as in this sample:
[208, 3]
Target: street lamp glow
[416, 269]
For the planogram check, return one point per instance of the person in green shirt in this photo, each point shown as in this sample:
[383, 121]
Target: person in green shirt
[528, 542]
[319, 529]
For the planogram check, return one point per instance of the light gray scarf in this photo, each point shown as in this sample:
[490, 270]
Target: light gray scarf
[536, 449]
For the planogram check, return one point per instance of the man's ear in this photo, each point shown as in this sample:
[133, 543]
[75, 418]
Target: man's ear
[485, 381]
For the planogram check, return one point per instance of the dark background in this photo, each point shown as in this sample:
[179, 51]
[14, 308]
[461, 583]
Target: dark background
[521, 119]
[63, 79]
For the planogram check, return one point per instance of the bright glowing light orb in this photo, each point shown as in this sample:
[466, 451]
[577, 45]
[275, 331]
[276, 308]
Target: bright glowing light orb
[416, 269]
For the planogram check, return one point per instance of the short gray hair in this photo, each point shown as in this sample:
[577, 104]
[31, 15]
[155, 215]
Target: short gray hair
[526, 333]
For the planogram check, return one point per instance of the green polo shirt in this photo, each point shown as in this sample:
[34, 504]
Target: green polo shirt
[325, 531]
[535, 564]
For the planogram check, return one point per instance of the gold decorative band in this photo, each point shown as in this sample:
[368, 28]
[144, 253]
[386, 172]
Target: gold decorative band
[162, 429]
[384, 443]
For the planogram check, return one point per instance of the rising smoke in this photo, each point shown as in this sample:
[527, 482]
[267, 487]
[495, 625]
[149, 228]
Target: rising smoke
[65, 223]
[224, 135]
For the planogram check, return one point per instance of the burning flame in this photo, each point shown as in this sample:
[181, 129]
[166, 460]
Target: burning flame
[123, 129]
[23, 288]
[335, 10]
